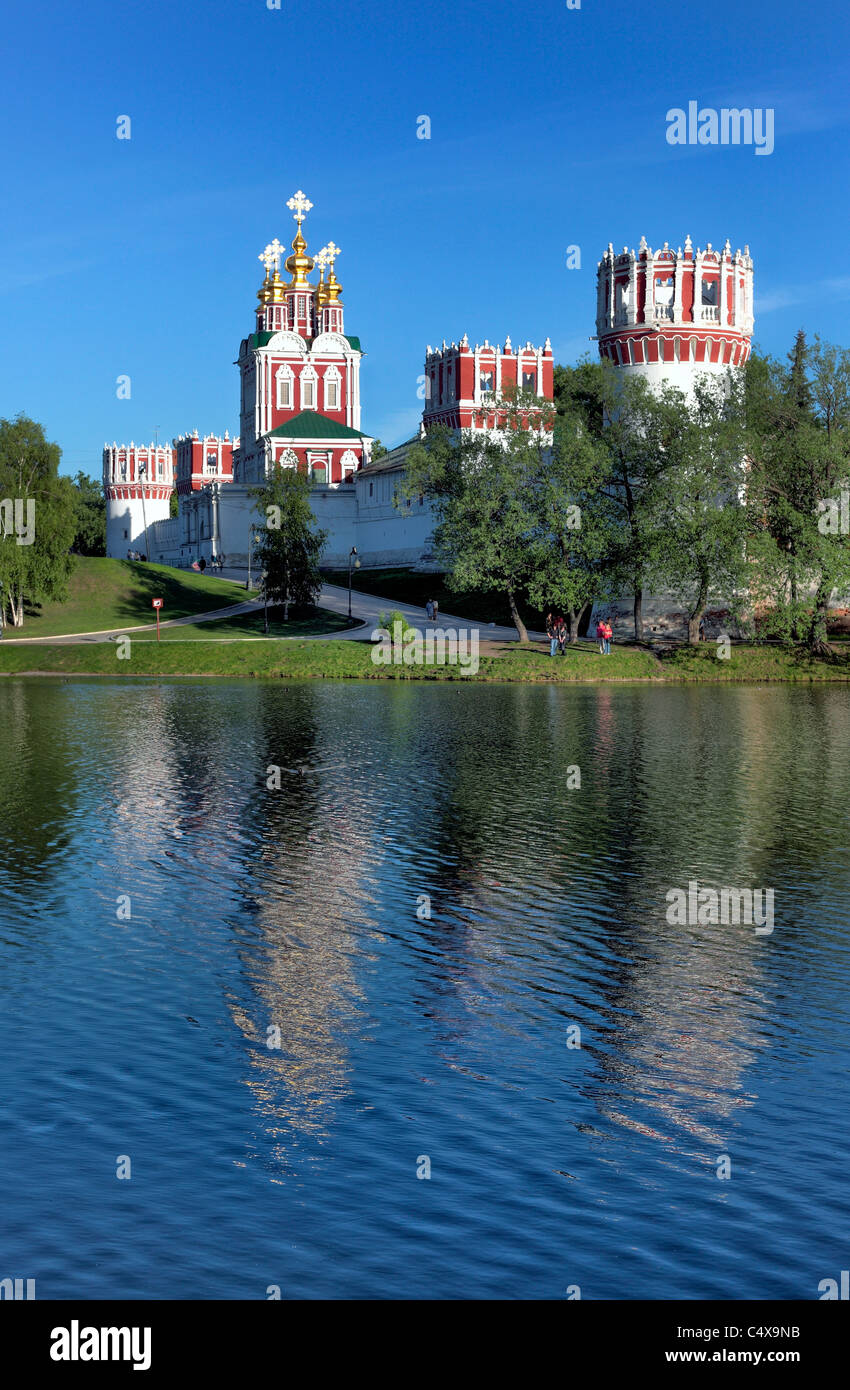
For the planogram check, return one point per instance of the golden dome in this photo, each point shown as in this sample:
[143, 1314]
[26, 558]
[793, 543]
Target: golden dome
[298, 264]
[333, 289]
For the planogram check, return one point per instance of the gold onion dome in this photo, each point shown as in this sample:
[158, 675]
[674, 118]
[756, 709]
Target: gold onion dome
[298, 264]
[271, 290]
[333, 289]
[322, 259]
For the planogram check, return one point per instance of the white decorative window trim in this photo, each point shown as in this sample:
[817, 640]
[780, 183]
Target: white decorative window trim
[332, 383]
[284, 380]
[308, 383]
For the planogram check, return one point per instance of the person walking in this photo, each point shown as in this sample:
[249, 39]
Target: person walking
[429, 610]
[551, 634]
[608, 633]
[434, 609]
[561, 634]
[600, 636]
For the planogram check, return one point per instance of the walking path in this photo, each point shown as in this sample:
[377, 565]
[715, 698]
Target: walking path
[365, 610]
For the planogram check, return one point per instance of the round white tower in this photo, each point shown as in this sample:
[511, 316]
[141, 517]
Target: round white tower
[673, 315]
[138, 481]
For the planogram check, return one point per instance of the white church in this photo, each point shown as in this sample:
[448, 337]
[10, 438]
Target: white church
[666, 315]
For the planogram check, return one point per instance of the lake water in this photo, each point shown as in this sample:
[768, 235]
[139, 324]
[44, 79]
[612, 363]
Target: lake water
[417, 919]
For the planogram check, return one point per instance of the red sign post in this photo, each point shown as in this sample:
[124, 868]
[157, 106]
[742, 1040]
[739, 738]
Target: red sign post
[157, 603]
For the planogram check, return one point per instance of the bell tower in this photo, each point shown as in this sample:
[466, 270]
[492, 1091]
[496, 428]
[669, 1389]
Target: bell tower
[298, 292]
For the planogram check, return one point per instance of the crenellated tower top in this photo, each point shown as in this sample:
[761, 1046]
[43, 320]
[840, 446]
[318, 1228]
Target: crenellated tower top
[673, 314]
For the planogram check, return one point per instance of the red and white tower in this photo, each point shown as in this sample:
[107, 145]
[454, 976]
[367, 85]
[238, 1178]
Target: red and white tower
[300, 372]
[138, 481]
[200, 462]
[464, 384]
[672, 315]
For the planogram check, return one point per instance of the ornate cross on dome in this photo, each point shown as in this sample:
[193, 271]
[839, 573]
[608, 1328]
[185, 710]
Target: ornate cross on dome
[299, 206]
[271, 256]
[322, 259]
[332, 251]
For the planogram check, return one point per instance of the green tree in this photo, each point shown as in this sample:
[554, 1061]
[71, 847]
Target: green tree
[90, 537]
[639, 425]
[703, 549]
[481, 488]
[798, 446]
[37, 518]
[291, 544]
[576, 524]
[379, 450]
[580, 392]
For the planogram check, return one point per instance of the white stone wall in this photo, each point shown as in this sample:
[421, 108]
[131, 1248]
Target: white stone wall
[386, 534]
[125, 529]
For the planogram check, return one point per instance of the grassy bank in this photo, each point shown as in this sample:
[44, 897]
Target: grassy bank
[307, 622]
[104, 594]
[352, 661]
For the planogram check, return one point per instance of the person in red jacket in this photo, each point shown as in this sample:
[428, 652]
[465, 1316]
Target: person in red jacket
[600, 636]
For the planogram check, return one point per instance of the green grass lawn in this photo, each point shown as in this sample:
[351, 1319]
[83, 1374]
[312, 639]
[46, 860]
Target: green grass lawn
[352, 661]
[105, 594]
[753, 663]
[308, 622]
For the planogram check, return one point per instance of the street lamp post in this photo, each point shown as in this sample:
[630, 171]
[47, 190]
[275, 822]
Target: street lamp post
[356, 566]
[143, 468]
[258, 538]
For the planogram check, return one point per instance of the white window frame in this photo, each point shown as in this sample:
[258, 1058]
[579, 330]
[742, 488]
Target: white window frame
[284, 376]
[333, 380]
[308, 378]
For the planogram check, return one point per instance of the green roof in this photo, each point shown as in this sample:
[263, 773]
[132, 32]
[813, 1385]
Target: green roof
[311, 424]
[258, 340]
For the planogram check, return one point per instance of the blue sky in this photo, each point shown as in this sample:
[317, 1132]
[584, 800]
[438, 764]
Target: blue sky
[547, 130]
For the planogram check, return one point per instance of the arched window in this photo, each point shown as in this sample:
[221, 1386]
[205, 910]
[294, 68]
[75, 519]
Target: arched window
[332, 380]
[283, 377]
[308, 389]
[348, 463]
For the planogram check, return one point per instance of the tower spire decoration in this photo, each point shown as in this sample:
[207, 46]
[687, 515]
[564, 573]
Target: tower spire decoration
[334, 288]
[270, 290]
[322, 259]
[298, 264]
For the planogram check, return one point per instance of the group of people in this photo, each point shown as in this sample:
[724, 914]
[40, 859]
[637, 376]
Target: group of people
[604, 633]
[431, 610]
[556, 631]
[216, 563]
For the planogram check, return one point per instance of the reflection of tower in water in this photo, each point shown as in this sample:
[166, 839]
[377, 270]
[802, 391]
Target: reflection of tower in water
[308, 903]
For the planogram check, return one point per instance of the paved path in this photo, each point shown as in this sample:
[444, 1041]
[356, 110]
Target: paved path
[365, 610]
[109, 634]
[368, 608]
